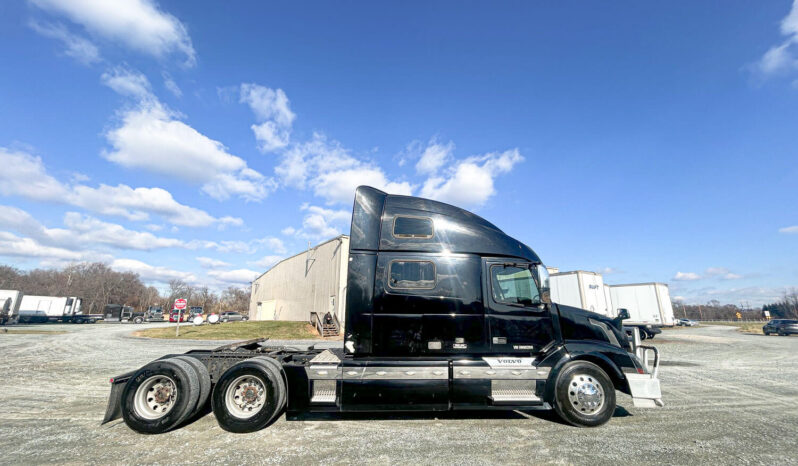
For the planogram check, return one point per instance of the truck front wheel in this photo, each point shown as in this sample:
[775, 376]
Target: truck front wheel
[248, 396]
[584, 395]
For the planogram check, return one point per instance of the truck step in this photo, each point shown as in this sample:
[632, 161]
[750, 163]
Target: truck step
[514, 397]
[323, 392]
[323, 398]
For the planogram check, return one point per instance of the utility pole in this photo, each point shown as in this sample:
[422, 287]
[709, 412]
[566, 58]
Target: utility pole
[700, 313]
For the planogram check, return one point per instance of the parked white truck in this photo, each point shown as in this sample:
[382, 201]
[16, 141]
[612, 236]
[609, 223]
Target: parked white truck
[581, 289]
[649, 304]
[9, 306]
[54, 309]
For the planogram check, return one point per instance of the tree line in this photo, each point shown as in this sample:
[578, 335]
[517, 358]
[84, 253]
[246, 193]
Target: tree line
[784, 308]
[97, 285]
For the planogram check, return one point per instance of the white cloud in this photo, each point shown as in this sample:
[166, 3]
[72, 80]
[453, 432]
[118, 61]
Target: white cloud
[137, 24]
[211, 263]
[12, 245]
[789, 230]
[84, 232]
[127, 82]
[434, 157]
[784, 56]
[608, 271]
[151, 137]
[273, 113]
[77, 47]
[288, 231]
[24, 175]
[686, 276]
[152, 273]
[332, 172]
[339, 186]
[273, 244]
[89, 230]
[171, 85]
[235, 277]
[266, 262]
[470, 183]
[722, 273]
[321, 223]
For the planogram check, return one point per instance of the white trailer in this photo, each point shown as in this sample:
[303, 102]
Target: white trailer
[56, 308]
[649, 305]
[580, 289]
[9, 306]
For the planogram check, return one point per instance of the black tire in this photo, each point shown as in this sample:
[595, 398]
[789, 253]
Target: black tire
[643, 334]
[186, 386]
[574, 412]
[138, 320]
[767, 334]
[272, 384]
[204, 378]
[276, 369]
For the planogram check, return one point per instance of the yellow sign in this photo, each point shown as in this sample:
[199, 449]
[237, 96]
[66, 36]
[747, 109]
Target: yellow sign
[739, 316]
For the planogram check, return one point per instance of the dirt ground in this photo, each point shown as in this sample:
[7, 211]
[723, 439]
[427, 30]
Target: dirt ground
[731, 398]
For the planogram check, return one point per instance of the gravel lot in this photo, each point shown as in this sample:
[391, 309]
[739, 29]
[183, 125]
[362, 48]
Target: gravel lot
[730, 398]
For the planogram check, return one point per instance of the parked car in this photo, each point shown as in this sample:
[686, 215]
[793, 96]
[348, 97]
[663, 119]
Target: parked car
[686, 322]
[781, 327]
[230, 316]
[176, 315]
[195, 311]
[154, 314]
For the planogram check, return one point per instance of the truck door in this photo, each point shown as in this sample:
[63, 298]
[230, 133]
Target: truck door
[517, 320]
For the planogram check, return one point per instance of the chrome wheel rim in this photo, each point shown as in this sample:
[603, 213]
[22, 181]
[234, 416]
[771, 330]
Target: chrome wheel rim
[586, 394]
[245, 397]
[156, 397]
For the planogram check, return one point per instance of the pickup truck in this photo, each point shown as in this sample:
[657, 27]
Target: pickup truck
[444, 311]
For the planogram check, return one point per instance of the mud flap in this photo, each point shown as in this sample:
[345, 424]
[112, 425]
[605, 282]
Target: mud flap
[644, 388]
[114, 409]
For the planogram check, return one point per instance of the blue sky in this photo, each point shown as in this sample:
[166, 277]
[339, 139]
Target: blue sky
[208, 140]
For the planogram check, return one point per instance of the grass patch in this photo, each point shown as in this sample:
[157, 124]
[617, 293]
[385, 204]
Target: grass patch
[751, 328]
[275, 330]
[745, 327]
[31, 332]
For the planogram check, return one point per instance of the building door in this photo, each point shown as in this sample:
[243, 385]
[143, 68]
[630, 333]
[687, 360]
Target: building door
[266, 310]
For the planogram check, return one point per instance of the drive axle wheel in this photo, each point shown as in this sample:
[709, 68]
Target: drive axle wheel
[584, 394]
[160, 396]
[248, 396]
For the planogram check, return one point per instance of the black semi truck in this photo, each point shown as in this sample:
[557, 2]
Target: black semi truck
[444, 311]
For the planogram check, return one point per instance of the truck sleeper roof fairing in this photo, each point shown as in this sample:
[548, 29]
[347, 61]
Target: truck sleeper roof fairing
[454, 230]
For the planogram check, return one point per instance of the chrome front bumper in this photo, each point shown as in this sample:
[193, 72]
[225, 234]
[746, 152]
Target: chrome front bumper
[644, 388]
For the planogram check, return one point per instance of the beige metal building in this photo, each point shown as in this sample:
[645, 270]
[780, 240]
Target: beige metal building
[311, 281]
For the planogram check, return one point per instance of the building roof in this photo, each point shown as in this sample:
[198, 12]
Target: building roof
[337, 238]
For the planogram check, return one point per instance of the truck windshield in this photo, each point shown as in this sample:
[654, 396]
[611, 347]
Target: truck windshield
[514, 285]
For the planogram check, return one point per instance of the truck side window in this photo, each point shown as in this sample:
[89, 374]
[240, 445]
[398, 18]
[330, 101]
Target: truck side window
[412, 274]
[513, 285]
[412, 227]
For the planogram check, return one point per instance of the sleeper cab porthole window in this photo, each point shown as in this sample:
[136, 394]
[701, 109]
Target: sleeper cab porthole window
[411, 275]
[412, 227]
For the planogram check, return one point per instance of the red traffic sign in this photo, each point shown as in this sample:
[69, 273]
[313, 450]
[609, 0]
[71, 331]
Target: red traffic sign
[180, 304]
